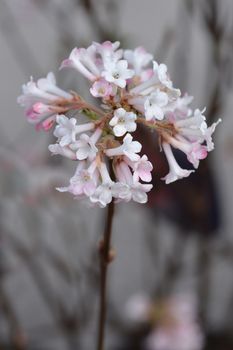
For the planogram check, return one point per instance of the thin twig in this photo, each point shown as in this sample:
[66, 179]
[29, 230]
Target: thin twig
[17, 337]
[104, 261]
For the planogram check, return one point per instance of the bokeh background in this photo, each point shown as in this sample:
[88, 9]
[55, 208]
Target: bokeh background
[179, 245]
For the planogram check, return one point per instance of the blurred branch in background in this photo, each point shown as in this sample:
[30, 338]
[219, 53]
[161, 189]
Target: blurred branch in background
[196, 210]
[31, 257]
[68, 321]
[218, 21]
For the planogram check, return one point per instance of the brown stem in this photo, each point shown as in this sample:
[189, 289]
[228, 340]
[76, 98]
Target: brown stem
[76, 103]
[95, 109]
[104, 252]
[163, 126]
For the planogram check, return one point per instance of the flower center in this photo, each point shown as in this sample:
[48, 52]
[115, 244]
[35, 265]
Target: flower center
[121, 120]
[86, 177]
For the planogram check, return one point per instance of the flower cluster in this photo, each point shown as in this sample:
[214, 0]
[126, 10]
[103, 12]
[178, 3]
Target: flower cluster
[179, 329]
[173, 321]
[133, 89]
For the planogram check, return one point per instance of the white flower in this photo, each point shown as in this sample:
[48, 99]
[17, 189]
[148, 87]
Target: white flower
[84, 147]
[102, 195]
[195, 129]
[121, 191]
[160, 71]
[192, 133]
[117, 73]
[123, 121]
[108, 51]
[136, 192]
[108, 189]
[139, 191]
[129, 148]
[63, 151]
[91, 61]
[49, 85]
[175, 171]
[138, 59]
[181, 107]
[208, 135]
[158, 80]
[66, 130]
[154, 105]
[194, 125]
[84, 60]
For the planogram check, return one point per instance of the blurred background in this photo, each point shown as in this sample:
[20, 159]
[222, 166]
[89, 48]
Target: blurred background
[171, 284]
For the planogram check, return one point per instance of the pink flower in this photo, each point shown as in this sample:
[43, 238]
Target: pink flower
[142, 169]
[180, 329]
[136, 190]
[40, 100]
[194, 150]
[40, 112]
[101, 88]
[82, 183]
